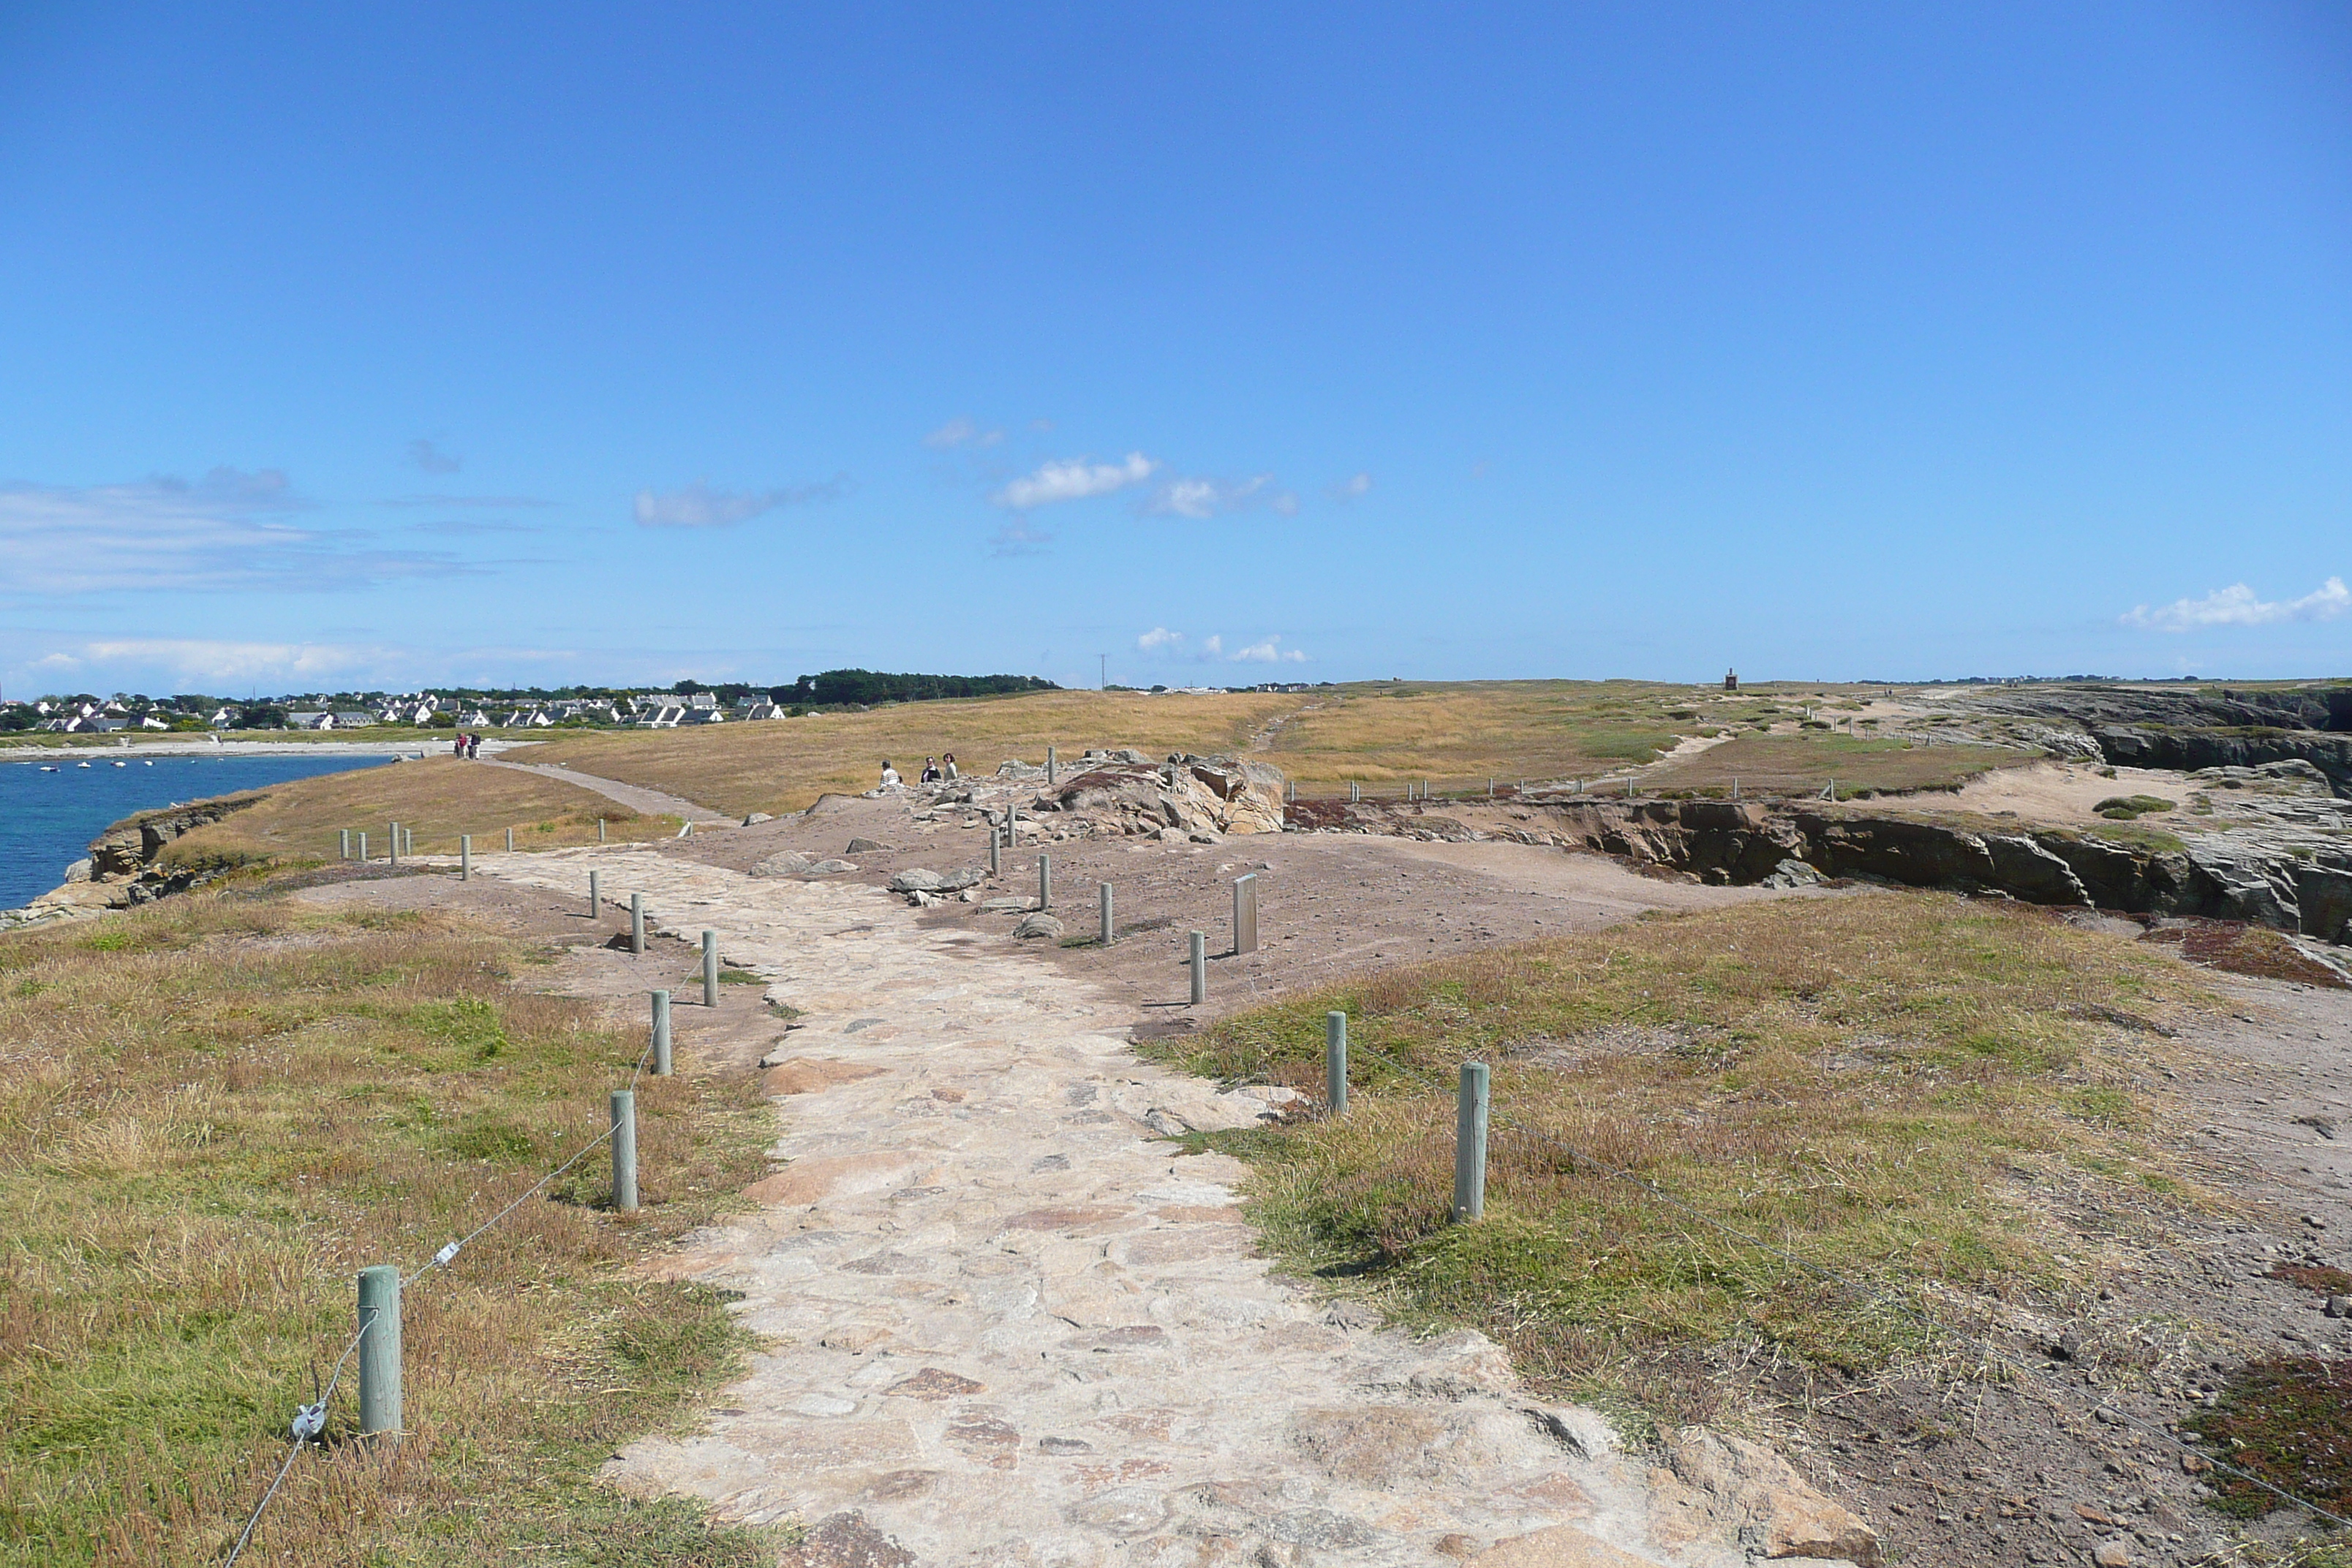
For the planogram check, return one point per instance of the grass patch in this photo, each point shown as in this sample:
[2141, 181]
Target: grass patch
[1859, 1082]
[2125, 807]
[1805, 762]
[213, 1112]
[437, 800]
[2288, 1420]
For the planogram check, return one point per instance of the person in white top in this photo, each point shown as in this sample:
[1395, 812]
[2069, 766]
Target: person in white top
[891, 779]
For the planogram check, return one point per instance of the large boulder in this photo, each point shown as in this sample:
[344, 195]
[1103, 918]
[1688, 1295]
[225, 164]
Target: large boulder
[1112, 793]
[921, 880]
[1711, 1482]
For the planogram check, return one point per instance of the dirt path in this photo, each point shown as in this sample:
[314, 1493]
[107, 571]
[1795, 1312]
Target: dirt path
[652, 802]
[1011, 1325]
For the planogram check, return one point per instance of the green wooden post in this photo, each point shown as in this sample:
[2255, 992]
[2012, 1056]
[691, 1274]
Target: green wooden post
[465, 856]
[1335, 1063]
[1103, 937]
[710, 969]
[379, 1352]
[1470, 1106]
[1199, 943]
[1045, 881]
[624, 1150]
[638, 924]
[661, 1033]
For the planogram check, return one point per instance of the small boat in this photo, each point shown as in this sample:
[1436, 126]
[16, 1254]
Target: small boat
[122, 764]
[81, 764]
[148, 763]
[49, 767]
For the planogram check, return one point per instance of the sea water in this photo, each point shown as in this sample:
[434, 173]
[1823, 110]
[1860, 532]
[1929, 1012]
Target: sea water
[47, 820]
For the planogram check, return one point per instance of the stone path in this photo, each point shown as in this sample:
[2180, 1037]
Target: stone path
[1009, 1325]
[652, 802]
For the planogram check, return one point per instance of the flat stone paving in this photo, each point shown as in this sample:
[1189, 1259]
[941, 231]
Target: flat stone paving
[1008, 1324]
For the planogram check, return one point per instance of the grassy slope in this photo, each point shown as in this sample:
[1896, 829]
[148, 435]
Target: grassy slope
[1460, 733]
[1783, 764]
[1869, 1083]
[212, 1114]
[436, 799]
[784, 764]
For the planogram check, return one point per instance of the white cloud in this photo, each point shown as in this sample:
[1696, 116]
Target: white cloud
[422, 454]
[1268, 652]
[1213, 646]
[699, 506]
[192, 660]
[227, 531]
[962, 432]
[1349, 488]
[1156, 639]
[1201, 498]
[1074, 479]
[1017, 538]
[2237, 605]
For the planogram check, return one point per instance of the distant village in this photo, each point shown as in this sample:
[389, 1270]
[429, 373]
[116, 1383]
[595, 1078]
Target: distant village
[685, 703]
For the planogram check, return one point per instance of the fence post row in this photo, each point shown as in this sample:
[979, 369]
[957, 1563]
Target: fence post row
[661, 1033]
[1470, 1143]
[380, 1351]
[1335, 1063]
[624, 1150]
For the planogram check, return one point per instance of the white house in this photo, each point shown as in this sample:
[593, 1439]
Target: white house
[662, 718]
[306, 720]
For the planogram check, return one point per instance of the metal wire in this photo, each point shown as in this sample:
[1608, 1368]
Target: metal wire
[1872, 1293]
[310, 1420]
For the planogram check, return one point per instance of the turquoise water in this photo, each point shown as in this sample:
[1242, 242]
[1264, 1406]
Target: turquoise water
[47, 820]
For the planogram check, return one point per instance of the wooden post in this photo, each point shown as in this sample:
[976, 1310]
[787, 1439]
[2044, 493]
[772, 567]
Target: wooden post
[1355, 793]
[1246, 913]
[379, 1352]
[661, 1033]
[510, 840]
[710, 969]
[395, 843]
[995, 848]
[1045, 881]
[1103, 937]
[465, 856]
[1470, 1144]
[595, 901]
[1053, 764]
[600, 830]
[638, 924]
[1199, 943]
[363, 847]
[1335, 1063]
[624, 1150]
[346, 851]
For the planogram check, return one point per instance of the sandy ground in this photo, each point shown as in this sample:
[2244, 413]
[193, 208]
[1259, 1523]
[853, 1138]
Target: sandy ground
[1329, 904]
[2052, 795]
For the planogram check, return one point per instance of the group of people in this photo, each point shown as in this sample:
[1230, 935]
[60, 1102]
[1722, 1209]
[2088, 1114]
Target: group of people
[468, 747]
[940, 769]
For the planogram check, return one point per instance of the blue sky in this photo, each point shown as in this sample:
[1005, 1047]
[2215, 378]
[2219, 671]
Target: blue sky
[367, 345]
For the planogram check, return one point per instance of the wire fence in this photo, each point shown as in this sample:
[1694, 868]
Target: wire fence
[310, 1423]
[1875, 1295]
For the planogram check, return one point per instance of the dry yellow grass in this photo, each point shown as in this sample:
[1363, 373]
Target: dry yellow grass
[1807, 763]
[1459, 735]
[213, 1111]
[436, 799]
[784, 764]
